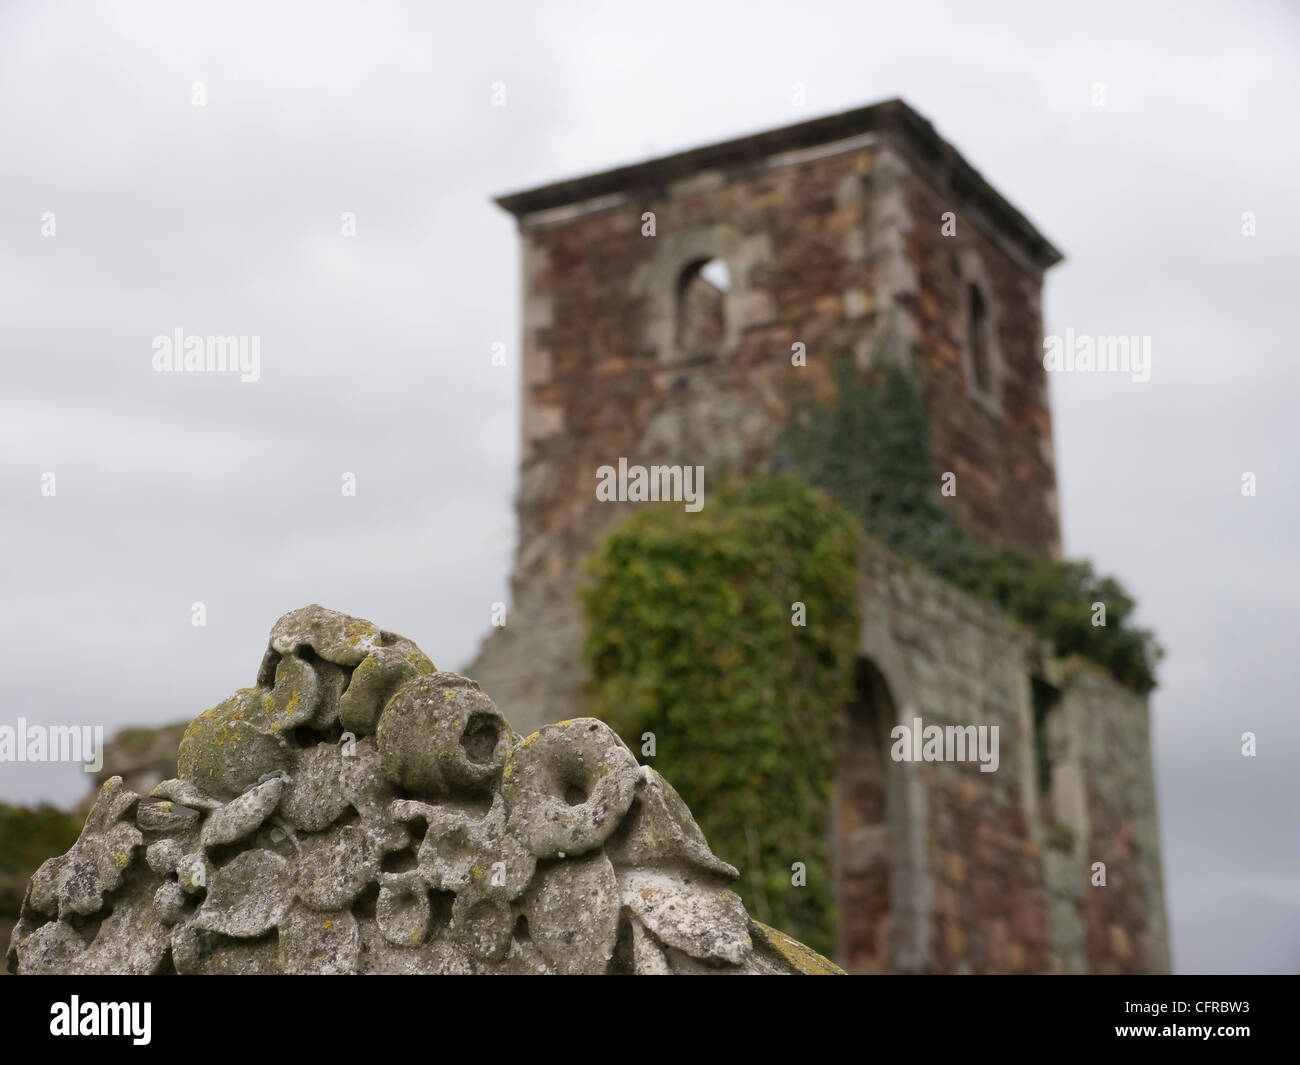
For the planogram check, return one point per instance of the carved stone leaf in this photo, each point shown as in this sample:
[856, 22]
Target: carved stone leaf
[53, 948]
[243, 816]
[247, 897]
[165, 816]
[647, 957]
[334, 870]
[659, 829]
[130, 942]
[695, 917]
[314, 799]
[572, 913]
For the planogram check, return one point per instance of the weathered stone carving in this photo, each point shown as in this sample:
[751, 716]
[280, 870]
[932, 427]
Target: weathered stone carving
[359, 811]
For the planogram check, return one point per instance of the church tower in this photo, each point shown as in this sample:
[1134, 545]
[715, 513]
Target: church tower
[662, 303]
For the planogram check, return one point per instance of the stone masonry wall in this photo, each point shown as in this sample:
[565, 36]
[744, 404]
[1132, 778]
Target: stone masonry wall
[999, 444]
[943, 868]
[605, 372]
[824, 247]
[992, 875]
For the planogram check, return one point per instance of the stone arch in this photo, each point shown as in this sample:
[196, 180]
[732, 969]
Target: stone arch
[864, 838]
[656, 281]
[701, 313]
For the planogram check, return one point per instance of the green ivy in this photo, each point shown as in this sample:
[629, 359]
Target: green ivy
[870, 450]
[690, 634]
[691, 637]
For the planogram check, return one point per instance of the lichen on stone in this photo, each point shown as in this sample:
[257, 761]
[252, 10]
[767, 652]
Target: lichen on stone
[360, 811]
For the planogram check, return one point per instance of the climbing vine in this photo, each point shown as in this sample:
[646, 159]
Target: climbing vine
[870, 450]
[693, 645]
[693, 638]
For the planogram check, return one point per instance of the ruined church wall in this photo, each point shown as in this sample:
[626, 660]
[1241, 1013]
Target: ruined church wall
[990, 873]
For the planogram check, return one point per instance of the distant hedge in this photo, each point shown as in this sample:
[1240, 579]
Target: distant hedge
[27, 838]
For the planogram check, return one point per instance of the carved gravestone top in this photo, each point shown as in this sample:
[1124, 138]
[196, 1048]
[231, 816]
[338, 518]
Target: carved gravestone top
[359, 811]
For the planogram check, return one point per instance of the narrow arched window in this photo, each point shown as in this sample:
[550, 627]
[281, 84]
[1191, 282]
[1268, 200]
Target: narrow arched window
[702, 306]
[977, 332]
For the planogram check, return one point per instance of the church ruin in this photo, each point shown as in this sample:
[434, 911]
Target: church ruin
[661, 305]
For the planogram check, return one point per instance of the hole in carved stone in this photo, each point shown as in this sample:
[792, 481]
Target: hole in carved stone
[223, 852]
[623, 963]
[400, 861]
[575, 795]
[88, 926]
[364, 906]
[480, 738]
[522, 935]
[418, 828]
[306, 736]
[266, 675]
[166, 967]
[440, 904]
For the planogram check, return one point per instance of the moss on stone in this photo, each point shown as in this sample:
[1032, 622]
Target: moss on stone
[804, 959]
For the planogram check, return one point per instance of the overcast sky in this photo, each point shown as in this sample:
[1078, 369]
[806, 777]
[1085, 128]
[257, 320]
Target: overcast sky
[376, 349]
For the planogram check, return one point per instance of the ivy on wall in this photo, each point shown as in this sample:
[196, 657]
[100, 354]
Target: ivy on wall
[870, 450]
[692, 637]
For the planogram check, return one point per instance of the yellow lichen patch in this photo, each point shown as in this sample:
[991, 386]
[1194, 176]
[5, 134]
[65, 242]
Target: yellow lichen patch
[356, 630]
[422, 662]
[368, 665]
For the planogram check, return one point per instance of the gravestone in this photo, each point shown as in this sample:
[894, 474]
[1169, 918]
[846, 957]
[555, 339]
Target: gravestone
[360, 811]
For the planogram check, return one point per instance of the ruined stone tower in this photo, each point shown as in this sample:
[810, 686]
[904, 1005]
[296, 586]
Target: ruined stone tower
[661, 305]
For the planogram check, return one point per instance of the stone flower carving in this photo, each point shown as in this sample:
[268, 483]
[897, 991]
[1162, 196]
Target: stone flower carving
[359, 810]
